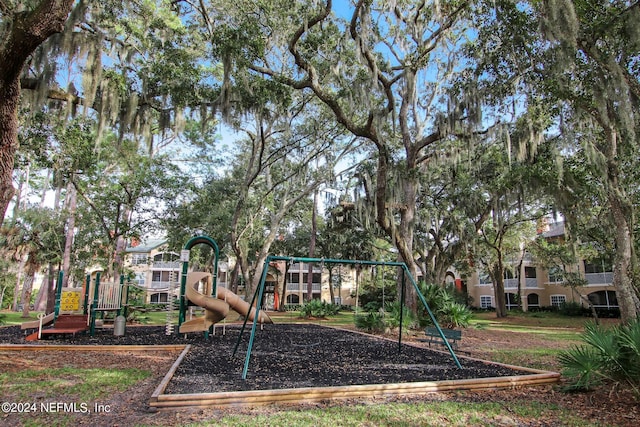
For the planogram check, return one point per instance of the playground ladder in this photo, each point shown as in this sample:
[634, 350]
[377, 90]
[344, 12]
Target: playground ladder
[170, 303]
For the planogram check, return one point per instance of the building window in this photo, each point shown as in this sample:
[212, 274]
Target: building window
[604, 299]
[165, 257]
[139, 259]
[293, 299]
[598, 265]
[163, 276]
[486, 301]
[511, 300]
[159, 298]
[598, 272]
[530, 272]
[533, 300]
[558, 300]
[556, 274]
[484, 278]
[140, 279]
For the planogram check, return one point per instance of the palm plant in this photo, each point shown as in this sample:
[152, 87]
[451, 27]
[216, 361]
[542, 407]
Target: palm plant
[609, 355]
[454, 315]
[447, 311]
[393, 319]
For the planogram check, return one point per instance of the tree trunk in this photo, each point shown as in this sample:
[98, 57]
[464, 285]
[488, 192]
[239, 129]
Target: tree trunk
[51, 289]
[4, 288]
[28, 30]
[498, 282]
[332, 295]
[71, 224]
[9, 95]
[27, 287]
[623, 267]
[234, 278]
[18, 287]
[41, 299]
[26, 295]
[283, 295]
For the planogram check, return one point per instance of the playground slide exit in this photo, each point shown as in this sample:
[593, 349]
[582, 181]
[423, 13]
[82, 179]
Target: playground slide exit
[216, 309]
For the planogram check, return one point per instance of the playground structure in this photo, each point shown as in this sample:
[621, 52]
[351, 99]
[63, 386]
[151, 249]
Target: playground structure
[200, 288]
[216, 300]
[76, 309]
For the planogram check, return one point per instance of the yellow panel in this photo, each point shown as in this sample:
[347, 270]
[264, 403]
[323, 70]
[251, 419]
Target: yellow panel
[70, 301]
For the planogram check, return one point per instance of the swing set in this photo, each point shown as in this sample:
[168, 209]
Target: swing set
[258, 295]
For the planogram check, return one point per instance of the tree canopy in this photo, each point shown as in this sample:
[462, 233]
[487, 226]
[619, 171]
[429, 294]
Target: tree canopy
[440, 124]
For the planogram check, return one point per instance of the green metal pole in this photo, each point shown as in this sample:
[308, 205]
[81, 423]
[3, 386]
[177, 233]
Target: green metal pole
[94, 305]
[256, 316]
[246, 319]
[401, 309]
[185, 267]
[56, 307]
[183, 300]
[433, 318]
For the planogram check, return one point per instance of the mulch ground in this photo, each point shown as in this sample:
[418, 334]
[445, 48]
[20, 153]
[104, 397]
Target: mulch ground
[288, 356]
[295, 356]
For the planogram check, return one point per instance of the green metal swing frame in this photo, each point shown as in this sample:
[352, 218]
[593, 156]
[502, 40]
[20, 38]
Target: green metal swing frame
[258, 294]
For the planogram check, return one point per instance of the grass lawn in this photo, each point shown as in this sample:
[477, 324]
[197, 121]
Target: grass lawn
[432, 413]
[8, 318]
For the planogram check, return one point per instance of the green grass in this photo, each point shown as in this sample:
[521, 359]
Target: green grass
[536, 320]
[343, 318]
[8, 318]
[434, 413]
[90, 383]
[154, 318]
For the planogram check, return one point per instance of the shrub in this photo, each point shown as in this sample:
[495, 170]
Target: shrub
[444, 307]
[454, 315]
[409, 321]
[317, 308]
[572, 308]
[372, 322]
[609, 355]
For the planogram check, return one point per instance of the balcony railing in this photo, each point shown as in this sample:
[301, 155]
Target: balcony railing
[316, 287]
[531, 282]
[167, 265]
[605, 278]
[163, 284]
[510, 283]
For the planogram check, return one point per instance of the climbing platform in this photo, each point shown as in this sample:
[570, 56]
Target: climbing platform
[64, 324]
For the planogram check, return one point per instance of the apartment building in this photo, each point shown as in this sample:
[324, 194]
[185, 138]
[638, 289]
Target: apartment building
[541, 287]
[296, 282]
[156, 270]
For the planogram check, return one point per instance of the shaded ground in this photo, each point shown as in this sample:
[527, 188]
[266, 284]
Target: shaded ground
[130, 408]
[289, 356]
[295, 356]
